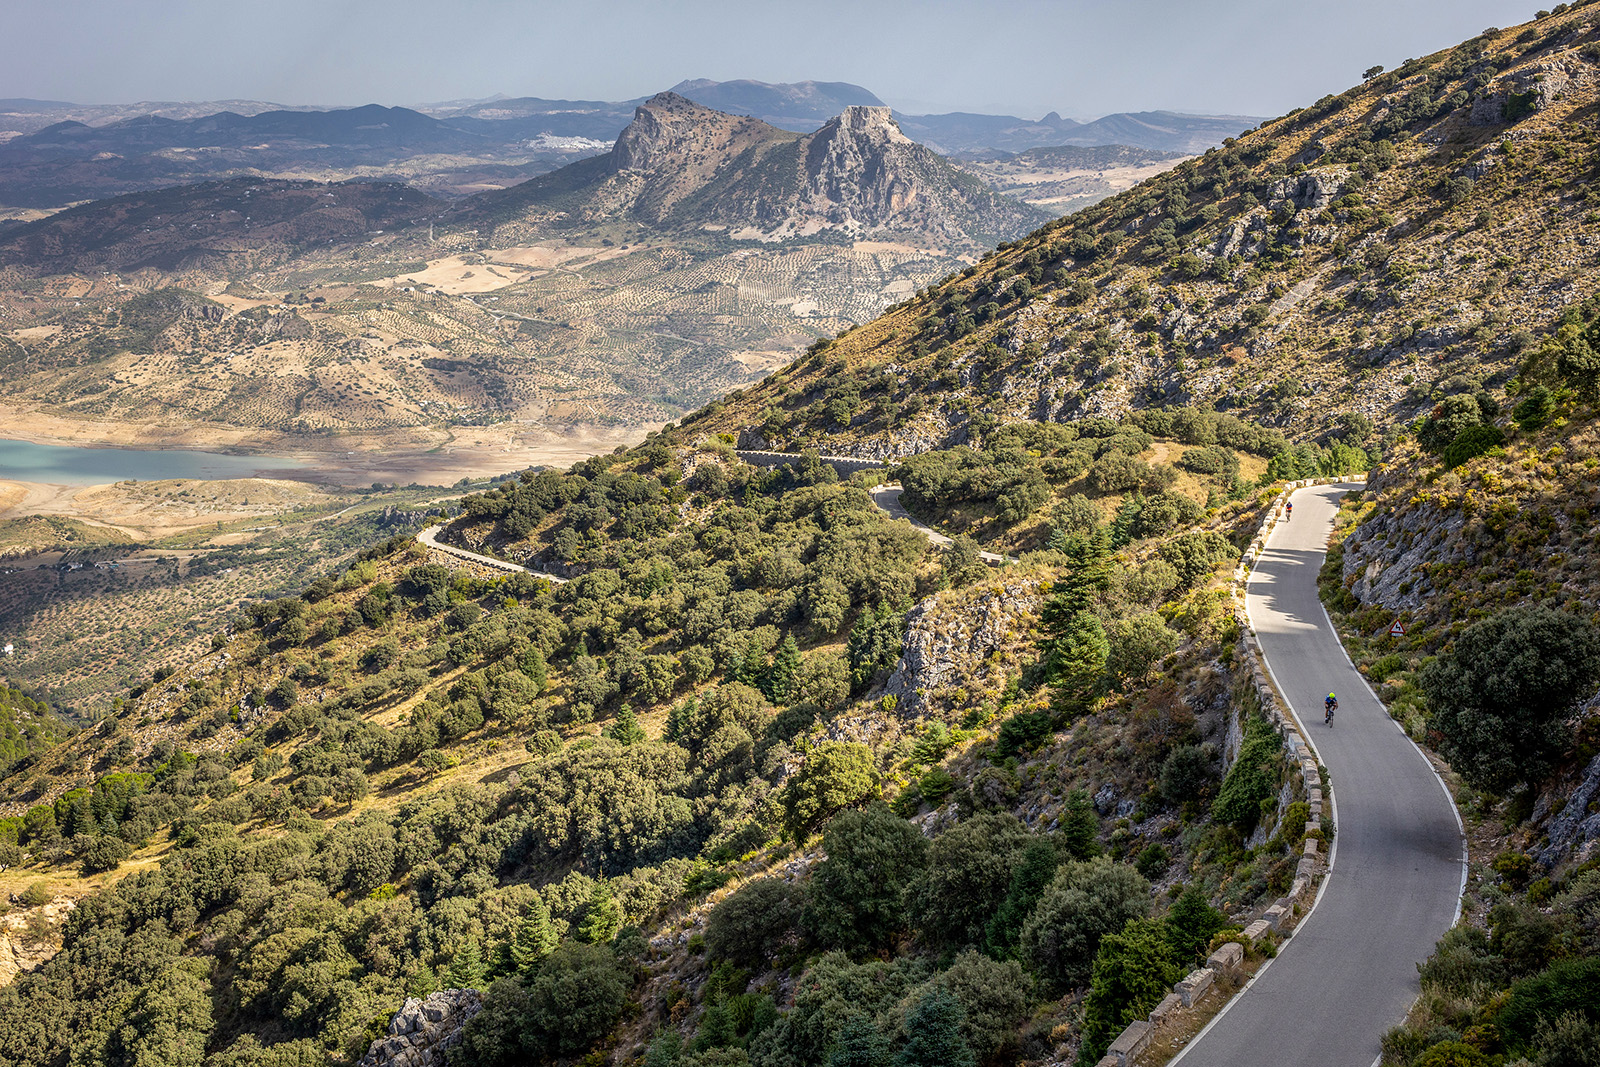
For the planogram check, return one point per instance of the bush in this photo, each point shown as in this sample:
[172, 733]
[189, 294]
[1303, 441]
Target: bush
[1186, 775]
[1462, 960]
[1133, 970]
[1471, 442]
[1153, 861]
[755, 923]
[1568, 987]
[1500, 694]
[104, 853]
[575, 998]
[1023, 732]
[969, 870]
[995, 998]
[1252, 781]
[1452, 1054]
[1138, 644]
[857, 897]
[1533, 411]
[1083, 903]
[836, 775]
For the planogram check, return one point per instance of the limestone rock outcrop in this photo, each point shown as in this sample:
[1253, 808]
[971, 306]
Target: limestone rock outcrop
[30, 936]
[960, 642]
[681, 165]
[424, 1030]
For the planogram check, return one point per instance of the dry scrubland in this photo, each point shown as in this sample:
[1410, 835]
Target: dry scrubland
[427, 351]
[189, 555]
[1364, 255]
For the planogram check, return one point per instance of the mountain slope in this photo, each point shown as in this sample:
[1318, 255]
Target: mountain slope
[227, 225]
[1360, 257]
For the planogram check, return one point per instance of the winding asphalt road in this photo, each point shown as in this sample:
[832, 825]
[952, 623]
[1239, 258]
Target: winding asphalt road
[1349, 972]
[887, 500]
[430, 537]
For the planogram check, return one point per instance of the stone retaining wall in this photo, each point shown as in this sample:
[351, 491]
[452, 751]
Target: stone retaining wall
[1280, 917]
[845, 465]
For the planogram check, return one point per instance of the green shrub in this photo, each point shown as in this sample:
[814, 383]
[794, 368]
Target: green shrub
[1568, 987]
[1252, 781]
[755, 923]
[1500, 694]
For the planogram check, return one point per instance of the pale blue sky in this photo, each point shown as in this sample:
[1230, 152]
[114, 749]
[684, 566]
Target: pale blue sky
[1080, 57]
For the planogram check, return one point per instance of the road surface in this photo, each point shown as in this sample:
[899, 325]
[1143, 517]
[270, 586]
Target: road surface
[1349, 973]
[430, 538]
[887, 500]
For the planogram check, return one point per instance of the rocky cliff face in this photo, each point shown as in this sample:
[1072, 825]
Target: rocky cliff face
[964, 643]
[683, 166]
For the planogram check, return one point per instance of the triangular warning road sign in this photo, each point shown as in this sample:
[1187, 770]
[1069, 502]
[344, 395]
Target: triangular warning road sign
[1397, 629]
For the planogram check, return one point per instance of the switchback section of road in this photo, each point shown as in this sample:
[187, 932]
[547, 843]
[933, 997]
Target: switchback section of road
[430, 538]
[1349, 973]
[886, 498]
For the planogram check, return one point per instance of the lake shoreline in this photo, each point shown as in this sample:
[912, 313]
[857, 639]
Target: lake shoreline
[436, 457]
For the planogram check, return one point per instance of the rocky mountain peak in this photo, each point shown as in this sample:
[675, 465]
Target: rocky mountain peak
[660, 129]
[864, 120]
[681, 164]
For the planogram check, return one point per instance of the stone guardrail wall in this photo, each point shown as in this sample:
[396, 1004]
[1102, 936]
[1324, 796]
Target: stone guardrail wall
[842, 464]
[1282, 914]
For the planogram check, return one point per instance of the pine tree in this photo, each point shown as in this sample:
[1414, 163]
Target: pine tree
[750, 664]
[933, 1034]
[859, 1044]
[534, 940]
[1079, 833]
[1088, 567]
[1028, 880]
[466, 969]
[681, 719]
[1123, 522]
[780, 679]
[601, 919]
[716, 1028]
[1075, 664]
[1132, 972]
[625, 727]
[534, 666]
[1191, 923]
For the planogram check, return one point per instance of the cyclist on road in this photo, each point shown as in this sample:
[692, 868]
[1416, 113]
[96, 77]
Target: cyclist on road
[1288, 510]
[1329, 706]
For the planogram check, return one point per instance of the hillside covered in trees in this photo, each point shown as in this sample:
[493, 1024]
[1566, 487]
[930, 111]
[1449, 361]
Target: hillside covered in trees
[770, 781]
[590, 799]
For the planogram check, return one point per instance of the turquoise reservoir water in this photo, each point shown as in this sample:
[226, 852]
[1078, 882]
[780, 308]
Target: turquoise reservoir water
[23, 461]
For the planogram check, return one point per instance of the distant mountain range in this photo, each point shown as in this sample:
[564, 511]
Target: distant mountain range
[54, 153]
[678, 166]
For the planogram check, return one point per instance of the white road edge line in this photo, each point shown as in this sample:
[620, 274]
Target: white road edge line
[1333, 853]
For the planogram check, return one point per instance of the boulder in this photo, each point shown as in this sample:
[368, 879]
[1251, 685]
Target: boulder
[424, 1030]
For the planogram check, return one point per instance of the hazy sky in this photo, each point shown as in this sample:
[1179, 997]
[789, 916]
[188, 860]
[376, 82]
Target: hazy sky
[1082, 58]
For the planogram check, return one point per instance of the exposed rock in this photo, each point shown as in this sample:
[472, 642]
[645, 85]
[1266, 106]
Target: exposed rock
[1383, 557]
[1573, 833]
[1528, 91]
[950, 638]
[682, 164]
[31, 936]
[1313, 190]
[424, 1030]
